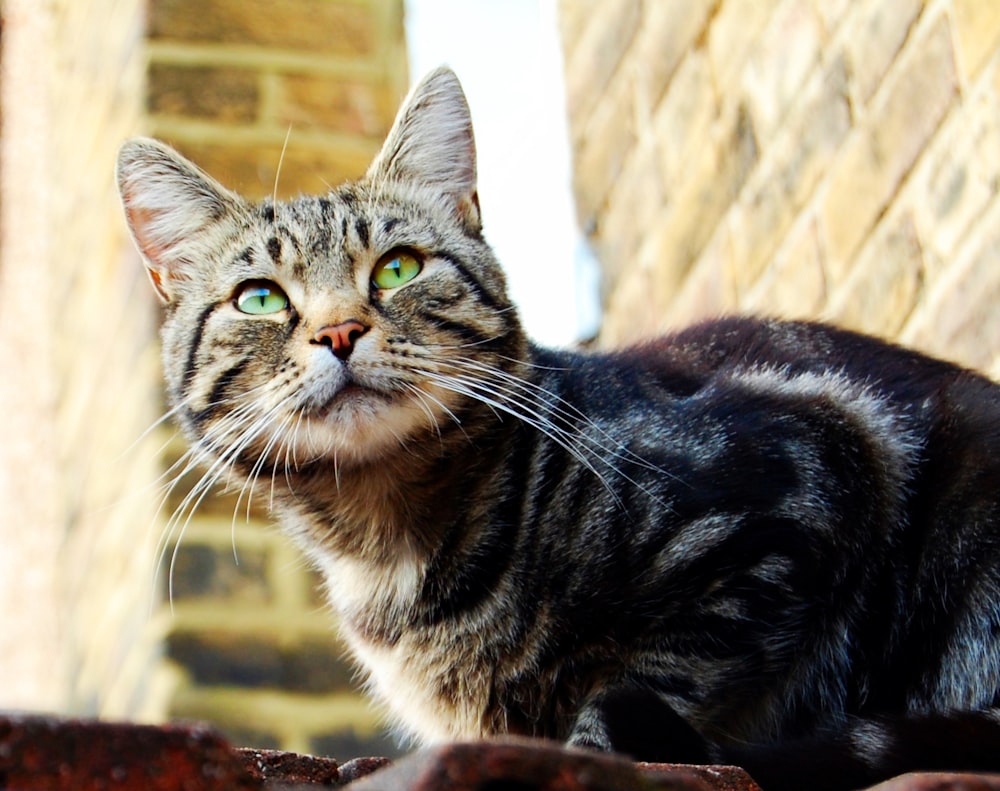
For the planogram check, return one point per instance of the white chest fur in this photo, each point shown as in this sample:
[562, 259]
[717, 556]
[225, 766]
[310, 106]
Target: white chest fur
[431, 684]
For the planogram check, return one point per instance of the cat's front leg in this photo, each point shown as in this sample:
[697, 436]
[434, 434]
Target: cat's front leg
[638, 722]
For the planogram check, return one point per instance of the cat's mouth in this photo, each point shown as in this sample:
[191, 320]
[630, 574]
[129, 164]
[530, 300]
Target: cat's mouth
[346, 401]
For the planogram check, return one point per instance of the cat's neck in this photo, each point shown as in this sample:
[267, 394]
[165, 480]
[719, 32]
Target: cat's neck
[402, 502]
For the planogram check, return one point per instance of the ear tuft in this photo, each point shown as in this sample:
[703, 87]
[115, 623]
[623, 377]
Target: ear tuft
[431, 142]
[171, 207]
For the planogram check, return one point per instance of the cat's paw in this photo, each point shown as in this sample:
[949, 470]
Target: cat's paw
[639, 723]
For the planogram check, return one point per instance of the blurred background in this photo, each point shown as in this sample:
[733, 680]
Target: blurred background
[644, 164]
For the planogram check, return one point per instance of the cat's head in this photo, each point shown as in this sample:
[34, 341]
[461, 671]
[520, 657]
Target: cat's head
[341, 325]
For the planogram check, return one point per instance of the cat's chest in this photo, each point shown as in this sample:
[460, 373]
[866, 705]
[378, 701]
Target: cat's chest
[434, 683]
[437, 695]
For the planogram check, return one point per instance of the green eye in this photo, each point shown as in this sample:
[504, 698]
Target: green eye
[260, 298]
[396, 268]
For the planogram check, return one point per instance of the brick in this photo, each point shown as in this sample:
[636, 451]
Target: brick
[223, 94]
[698, 204]
[885, 283]
[78, 68]
[330, 27]
[653, 297]
[708, 290]
[633, 205]
[237, 730]
[311, 666]
[959, 320]
[573, 16]
[940, 781]
[875, 35]
[224, 659]
[977, 29]
[596, 55]
[796, 161]
[602, 152]
[317, 666]
[961, 176]
[634, 308]
[361, 767]
[666, 33]
[684, 117]
[878, 157]
[787, 51]
[832, 13]
[273, 767]
[347, 106]
[520, 763]
[346, 743]
[794, 283]
[47, 754]
[202, 571]
[732, 37]
[251, 169]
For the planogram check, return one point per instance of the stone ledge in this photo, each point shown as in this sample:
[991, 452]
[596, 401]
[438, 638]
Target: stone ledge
[52, 754]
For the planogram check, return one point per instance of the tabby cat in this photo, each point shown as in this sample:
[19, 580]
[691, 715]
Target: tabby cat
[758, 542]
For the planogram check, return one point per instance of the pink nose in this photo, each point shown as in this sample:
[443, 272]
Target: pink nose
[341, 337]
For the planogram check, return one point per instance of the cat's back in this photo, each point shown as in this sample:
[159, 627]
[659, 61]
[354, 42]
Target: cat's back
[733, 351]
[872, 469]
[754, 394]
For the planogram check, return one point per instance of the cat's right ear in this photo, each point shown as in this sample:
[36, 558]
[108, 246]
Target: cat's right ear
[172, 208]
[431, 144]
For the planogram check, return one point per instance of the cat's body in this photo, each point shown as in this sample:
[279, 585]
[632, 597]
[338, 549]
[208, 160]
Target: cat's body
[771, 543]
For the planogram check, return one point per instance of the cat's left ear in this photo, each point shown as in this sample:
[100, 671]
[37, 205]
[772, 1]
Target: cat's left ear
[174, 210]
[431, 144]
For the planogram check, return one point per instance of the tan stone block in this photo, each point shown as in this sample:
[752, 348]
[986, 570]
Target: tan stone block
[787, 51]
[885, 284]
[598, 51]
[353, 106]
[794, 284]
[796, 161]
[636, 200]
[632, 312]
[573, 16]
[223, 94]
[682, 121]
[876, 31]
[250, 169]
[733, 36]
[878, 156]
[832, 13]
[602, 151]
[960, 177]
[977, 29]
[331, 27]
[708, 290]
[653, 297]
[701, 202]
[959, 320]
[666, 33]
[696, 207]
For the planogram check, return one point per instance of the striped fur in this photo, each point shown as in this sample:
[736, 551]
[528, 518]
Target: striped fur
[771, 543]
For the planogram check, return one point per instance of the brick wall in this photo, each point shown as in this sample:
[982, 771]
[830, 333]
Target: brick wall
[229, 79]
[801, 158]
[249, 643]
[78, 389]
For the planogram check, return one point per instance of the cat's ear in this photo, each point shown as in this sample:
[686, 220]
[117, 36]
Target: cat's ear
[431, 144]
[173, 210]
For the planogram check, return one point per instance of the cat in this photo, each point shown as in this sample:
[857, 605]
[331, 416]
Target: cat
[761, 542]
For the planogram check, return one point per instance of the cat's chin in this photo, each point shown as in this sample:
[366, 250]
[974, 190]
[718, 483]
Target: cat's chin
[361, 425]
[346, 405]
